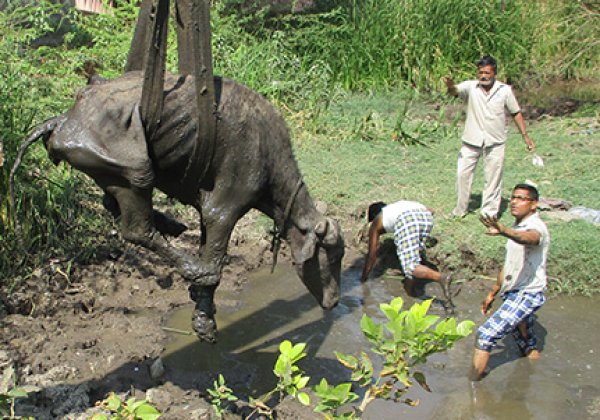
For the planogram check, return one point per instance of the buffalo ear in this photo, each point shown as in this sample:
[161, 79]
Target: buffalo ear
[303, 245]
[328, 231]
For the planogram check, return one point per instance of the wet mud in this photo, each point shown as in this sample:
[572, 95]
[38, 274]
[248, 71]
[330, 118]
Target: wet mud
[113, 329]
[563, 383]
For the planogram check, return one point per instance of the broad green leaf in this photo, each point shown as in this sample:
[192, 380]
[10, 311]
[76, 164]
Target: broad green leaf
[280, 367]
[388, 311]
[372, 331]
[322, 386]
[419, 310]
[113, 403]
[427, 322]
[133, 405]
[347, 360]
[397, 303]
[296, 352]
[465, 328]
[410, 325]
[304, 398]
[285, 347]
[396, 327]
[387, 371]
[357, 376]
[420, 378]
[302, 381]
[146, 408]
[366, 364]
[445, 327]
[402, 377]
[148, 416]
[146, 411]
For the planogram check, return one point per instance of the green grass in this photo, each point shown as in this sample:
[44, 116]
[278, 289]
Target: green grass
[348, 173]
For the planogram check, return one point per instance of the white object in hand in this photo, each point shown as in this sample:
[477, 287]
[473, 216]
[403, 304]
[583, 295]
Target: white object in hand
[537, 161]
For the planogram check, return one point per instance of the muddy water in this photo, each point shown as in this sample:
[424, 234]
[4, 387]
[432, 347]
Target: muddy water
[564, 383]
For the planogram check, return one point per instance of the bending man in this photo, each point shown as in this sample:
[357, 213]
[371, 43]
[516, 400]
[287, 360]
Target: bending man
[411, 224]
[521, 282]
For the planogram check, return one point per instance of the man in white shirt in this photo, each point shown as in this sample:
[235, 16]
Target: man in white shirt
[521, 282]
[411, 224]
[485, 135]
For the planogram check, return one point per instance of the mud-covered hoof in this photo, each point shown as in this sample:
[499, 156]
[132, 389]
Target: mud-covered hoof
[204, 326]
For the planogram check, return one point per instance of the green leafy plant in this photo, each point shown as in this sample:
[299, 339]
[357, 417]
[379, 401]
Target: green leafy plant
[9, 392]
[405, 340]
[291, 379]
[131, 409]
[334, 396]
[219, 395]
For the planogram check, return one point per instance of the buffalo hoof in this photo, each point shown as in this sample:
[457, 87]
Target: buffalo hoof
[204, 326]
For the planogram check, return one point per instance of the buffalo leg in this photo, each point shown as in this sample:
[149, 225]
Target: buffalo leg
[217, 226]
[137, 224]
[164, 224]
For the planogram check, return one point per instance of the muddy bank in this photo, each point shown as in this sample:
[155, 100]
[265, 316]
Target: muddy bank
[99, 328]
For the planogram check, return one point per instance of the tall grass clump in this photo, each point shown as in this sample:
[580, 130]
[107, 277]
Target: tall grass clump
[265, 59]
[38, 81]
[376, 44]
[567, 39]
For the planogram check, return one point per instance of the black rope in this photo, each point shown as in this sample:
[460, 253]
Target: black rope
[278, 233]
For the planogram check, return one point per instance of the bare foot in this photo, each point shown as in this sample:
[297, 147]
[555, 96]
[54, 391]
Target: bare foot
[476, 376]
[533, 354]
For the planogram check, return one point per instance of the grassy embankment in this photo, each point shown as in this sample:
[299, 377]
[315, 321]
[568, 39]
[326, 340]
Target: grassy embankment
[314, 68]
[345, 172]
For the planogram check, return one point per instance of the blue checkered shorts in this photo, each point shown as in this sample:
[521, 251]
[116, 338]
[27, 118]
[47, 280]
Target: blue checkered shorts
[517, 307]
[410, 232]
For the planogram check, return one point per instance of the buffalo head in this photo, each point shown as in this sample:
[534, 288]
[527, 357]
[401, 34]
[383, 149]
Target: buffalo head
[317, 257]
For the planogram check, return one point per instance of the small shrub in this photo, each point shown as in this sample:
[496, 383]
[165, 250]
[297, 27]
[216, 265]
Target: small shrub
[126, 410]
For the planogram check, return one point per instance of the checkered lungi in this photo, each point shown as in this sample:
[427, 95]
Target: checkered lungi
[517, 307]
[410, 232]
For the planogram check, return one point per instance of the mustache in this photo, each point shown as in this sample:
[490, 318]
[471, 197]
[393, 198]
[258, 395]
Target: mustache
[486, 79]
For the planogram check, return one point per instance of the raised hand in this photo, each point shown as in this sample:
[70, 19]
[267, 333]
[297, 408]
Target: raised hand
[492, 223]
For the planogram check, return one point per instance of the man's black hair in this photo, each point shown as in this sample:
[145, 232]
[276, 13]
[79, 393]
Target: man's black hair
[375, 209]
[533, 192]
[487, 60]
